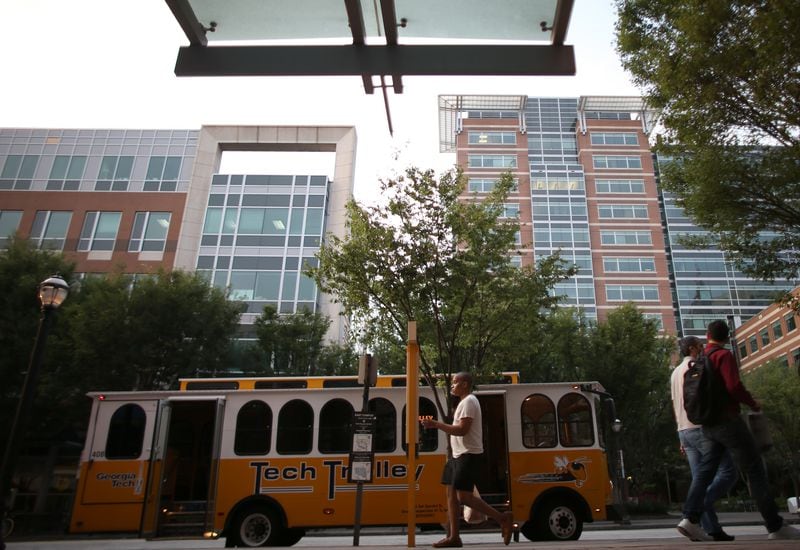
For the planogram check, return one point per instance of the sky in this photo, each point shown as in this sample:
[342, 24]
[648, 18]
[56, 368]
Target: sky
[110, 64]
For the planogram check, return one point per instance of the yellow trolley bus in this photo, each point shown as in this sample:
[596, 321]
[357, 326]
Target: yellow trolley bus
[260, 466]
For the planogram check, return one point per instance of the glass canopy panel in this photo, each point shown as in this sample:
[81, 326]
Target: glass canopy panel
[476, 19]
[264, 20]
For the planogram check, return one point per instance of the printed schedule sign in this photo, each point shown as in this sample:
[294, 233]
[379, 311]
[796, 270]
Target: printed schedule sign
[361, 455]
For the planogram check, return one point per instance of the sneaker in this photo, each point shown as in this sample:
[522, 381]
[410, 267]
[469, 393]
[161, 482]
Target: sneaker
[786, 532]
[721, 536]
[692, 531]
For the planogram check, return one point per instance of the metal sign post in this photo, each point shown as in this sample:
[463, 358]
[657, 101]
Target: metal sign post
[362, 456]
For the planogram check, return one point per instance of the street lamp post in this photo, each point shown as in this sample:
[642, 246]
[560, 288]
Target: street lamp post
[52, 292]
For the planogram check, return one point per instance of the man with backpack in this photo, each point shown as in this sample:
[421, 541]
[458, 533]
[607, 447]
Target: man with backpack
[692, 442]
[730, 432]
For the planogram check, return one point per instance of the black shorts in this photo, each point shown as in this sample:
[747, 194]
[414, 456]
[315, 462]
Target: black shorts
[462, 472]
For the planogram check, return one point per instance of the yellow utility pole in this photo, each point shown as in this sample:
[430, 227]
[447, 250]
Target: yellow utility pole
[412, 422]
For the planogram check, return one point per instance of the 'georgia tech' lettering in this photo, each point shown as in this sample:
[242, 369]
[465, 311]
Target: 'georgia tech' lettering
[337, 470]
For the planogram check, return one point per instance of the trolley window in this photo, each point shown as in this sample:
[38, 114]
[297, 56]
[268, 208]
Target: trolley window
[385, 440]
[335, 427]
[575, 427]
[429, 439]
[295, 428]
[126, 432]
[538, 422]
[253, 429]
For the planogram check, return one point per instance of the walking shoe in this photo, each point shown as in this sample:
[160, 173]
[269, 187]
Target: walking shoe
[693, 531]
[507, 526]
[785, 532]
[721, 536]
[448, 543]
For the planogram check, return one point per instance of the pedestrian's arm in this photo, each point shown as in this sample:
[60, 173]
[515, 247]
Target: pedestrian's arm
[458, 428]
[730, 375]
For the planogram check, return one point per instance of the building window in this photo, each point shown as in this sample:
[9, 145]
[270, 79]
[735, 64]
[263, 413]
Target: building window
[162, 174]
[9, 224]
[619, 186]
[50, 229]
[791, 324]
[626, 237]
[492, 161]
[510, 210]
[115, 173]
[627, 264]
[253, 429]
[99, 231]
[753, 343]
[625, 162]
[429, 439]
[561, 208]
[492, 138]
[742, 350]
[126, 432]
[18, 171]
[657, 317]
[783, 361]
[764, 335]
[632, 293]
[614, 138]
[796, 357]
[575, 428]
[149, 232]
[385, 425]
[538, 422]
[777, 330]
[295, 428]
[335, 427]
[622, 211]
[484, 185]
[570, 182]
[66, 173]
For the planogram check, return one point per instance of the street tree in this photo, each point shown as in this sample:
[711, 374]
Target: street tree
[22, 268]
[725, 77]
[430, 255]
[292, 343]
[778, 390]
[631, 359]
[145, 334]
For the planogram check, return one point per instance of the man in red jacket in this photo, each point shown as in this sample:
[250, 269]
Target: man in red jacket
[732, 434]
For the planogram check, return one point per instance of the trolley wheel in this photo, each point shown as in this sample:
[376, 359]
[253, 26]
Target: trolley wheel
[556, 519]
[255, 526]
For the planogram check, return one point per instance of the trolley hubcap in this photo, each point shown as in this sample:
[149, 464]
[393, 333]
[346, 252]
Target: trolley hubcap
[256, 529]
[562, 522]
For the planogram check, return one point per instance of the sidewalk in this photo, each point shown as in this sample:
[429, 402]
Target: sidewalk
[725, 519]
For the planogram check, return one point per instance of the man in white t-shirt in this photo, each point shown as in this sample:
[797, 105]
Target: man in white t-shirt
[694, 443]
[461, 471]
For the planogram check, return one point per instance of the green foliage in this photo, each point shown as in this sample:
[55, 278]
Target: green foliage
[777, 388]
[293, 343]
[22, 268]
[631, 360]
[724, 74]
[148, 334]
[428, 255]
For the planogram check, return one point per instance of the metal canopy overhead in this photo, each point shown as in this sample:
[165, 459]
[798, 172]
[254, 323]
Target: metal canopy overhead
[453, 107]
[374, 38]
[634, 105]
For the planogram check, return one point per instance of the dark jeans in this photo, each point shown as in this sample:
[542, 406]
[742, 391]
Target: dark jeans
[694, 442]
[736, 437]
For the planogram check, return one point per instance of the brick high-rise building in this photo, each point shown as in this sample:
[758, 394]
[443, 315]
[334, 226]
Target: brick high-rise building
[588, 188]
